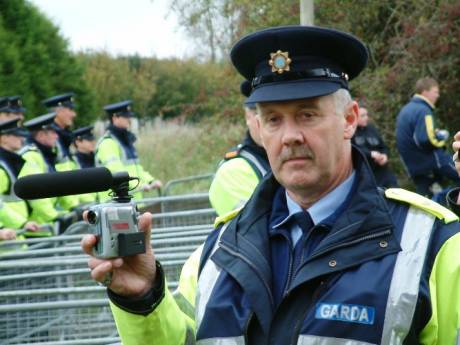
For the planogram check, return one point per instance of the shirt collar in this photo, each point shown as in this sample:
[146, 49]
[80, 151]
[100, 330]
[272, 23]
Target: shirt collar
[425, 99]
[324, 207]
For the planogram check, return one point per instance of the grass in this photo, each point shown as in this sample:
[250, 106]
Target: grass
[170, 151]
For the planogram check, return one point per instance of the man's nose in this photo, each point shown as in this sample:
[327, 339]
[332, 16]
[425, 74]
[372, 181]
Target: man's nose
[292, 133]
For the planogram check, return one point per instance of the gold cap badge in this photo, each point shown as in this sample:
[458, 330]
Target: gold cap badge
[280, 61]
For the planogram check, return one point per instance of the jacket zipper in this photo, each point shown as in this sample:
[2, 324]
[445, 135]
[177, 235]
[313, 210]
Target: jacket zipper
[315, 295]
[246, 327]
[253, 266]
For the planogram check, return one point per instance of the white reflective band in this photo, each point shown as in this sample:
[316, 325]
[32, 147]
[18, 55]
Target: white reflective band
[405, 282]
[222, 341]
[249, 156]
[316, 340]
[9, 197]
[206, 282]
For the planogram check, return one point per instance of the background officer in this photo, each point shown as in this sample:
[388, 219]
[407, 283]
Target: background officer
[368, 139]
[40, 157]
[64, 108]
[11, 141]
[11, 107]
[116, 151]
[85, 145]
[420, 143]
[242, 168]
[318, 255]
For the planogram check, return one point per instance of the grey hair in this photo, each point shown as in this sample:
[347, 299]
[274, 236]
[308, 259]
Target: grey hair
[342, 99]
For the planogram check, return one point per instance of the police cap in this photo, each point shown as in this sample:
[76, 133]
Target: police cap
[4, 105]
[41, 122]
[11, 104]
[83, 133]
[122, 108]
[15, 104]
[65, 100]
[295, 62]
[12, 127]
[245, 88]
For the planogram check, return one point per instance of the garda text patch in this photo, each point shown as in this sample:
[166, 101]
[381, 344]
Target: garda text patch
[345, 312]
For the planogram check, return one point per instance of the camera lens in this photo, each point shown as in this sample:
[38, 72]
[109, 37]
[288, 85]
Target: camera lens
[92, 217]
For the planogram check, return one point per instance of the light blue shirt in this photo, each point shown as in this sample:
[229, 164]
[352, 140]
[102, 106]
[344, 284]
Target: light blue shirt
[320, 210]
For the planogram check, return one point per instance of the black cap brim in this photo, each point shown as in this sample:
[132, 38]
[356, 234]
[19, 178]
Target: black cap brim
[19, 132]
[296, 89]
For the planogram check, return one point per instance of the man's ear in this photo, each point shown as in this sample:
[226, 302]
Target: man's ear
[351, 120]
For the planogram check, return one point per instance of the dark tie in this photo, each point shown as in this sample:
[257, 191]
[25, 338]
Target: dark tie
[304, 221]
[303, 247]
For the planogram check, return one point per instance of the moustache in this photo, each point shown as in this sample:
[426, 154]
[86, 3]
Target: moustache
[295, 152]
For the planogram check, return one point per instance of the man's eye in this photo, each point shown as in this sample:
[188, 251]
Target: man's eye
[273, 119]
[307, 115]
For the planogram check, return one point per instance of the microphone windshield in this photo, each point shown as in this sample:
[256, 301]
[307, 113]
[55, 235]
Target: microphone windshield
[39, 186]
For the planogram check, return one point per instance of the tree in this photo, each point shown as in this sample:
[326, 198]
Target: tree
[35, 60]
[217, 24]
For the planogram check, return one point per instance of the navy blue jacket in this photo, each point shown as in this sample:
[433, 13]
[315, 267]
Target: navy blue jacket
[351, 266]
[417, 144]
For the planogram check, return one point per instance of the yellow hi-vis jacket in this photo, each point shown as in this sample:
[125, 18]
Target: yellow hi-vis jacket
[172, 322]
[110, 154]
[43, 210]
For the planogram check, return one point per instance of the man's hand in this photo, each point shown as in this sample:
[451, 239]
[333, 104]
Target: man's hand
[152, 185]
[379, 158]
[7, 234]
[32, 226]
[131, 275]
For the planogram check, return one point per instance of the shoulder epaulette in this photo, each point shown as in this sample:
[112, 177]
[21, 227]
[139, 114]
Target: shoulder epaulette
[226, 217]
[421, 202]
[233, 152]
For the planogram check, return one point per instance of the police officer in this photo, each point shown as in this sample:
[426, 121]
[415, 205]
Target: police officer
[11, 107]
[318, 255]
[40, 157]
[85, 145]
[64, 108]
[116, 151]
[242, 168]
[420, 143]
[11, 163]
[368, 139]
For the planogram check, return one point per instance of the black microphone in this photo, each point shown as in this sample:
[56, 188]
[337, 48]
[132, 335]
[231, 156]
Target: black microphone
[39, 186]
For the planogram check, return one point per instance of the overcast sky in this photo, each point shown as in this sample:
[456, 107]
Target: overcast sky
[118, 26]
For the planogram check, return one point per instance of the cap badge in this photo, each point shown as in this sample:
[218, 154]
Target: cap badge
[279, 61]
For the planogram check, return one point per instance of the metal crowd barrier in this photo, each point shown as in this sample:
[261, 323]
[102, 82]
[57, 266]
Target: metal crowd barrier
[47, 296]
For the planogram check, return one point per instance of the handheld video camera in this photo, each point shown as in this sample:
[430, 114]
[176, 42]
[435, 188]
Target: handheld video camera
[113, 223]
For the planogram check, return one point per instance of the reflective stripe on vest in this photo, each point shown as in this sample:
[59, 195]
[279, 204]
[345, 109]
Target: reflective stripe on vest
[405, 282]
[316, 340]
[11, 197]
[125, 160]
[253, 159]
[222, 341]
[206, 282]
